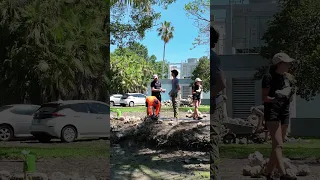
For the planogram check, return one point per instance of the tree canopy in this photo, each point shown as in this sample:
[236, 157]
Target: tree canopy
[196, 11]
[52, 49]
[202, 71]
[295, 31]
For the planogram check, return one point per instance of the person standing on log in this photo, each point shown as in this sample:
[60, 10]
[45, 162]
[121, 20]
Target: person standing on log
[277, 92]
[174, 93]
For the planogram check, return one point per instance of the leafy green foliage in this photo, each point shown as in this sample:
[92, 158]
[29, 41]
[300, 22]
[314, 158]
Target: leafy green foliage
[128, 24]
[202, 71]
[295, 31]
[195, 10]
[132, 69]
[51, 50]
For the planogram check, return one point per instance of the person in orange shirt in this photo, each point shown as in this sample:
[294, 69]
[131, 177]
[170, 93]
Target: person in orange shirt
[152, 103]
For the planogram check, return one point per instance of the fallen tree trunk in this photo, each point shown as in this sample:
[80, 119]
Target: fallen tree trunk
[182, 135]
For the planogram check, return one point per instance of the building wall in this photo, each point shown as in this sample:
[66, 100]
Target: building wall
[242, 24]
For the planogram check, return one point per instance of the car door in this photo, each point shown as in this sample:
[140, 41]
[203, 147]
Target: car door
[117, 99]
[101, 123]
[22, 117]
[82, 118]
[142, 99]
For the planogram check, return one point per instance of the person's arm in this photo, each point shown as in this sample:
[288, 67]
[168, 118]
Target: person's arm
[193, 90]
[266, 85]
[220, 83]
[178, 85]
[153, 89]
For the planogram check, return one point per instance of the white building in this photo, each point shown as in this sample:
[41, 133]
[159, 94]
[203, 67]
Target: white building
[241, 26]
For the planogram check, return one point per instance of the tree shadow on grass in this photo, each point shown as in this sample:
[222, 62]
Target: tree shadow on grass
[144, 156]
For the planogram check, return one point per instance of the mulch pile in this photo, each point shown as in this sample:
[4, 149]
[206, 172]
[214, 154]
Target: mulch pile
[182, 135]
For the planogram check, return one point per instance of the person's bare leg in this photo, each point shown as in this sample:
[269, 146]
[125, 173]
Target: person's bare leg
[284, 128]
[195, 109]
[276, 159]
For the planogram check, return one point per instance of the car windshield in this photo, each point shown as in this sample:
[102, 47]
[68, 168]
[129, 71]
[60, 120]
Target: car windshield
[48, 108]
[5, 108]
[125, 96]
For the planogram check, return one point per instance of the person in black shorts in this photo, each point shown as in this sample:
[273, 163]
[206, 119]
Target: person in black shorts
[277, 92]
[156, 88]
[196, 95]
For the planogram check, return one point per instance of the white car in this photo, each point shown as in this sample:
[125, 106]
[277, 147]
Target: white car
[15, 120]
[133, 99]
[115, 99]
[71, 120]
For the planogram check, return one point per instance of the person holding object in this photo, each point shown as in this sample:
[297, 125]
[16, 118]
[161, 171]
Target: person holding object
[277, 92]
[174, 93]
[196, 96]
[156, 89]
[153, 104]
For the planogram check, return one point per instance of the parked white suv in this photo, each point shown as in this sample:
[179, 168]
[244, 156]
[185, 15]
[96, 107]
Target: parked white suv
[115, 99]
[71, 120]
[133, 99]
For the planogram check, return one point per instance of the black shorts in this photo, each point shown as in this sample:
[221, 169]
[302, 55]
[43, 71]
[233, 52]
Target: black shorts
[272, 113]
[196, 97]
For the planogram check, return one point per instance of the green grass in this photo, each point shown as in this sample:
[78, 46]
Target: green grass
[56, 152]
[143, 109]
[299, 150]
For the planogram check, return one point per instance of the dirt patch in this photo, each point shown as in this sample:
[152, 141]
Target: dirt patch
[231, 169]
[143, 163]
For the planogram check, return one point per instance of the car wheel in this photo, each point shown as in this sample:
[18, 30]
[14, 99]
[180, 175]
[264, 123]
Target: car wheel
[111, 103]
[68, 134]
[6, 133]
[131, 104]
[43, 138]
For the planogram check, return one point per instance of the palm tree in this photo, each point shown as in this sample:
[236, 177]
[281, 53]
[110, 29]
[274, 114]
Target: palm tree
[166, 33]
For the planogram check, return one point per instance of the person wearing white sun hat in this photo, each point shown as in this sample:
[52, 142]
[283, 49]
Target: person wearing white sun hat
[277, 91]
[196, 96]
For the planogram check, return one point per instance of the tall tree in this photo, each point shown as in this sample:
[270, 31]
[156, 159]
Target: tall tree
[166, 34]
[131, 18]
[295, 31]
[199, 12]
[202, 71]
[139, 49]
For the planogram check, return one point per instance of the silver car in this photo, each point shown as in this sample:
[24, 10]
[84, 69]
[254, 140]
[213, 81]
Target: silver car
[15, 120]
[133, 99]
[71, 120]
[115, 99]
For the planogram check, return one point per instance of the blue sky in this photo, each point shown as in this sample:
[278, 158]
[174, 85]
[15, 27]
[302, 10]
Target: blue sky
[178, 48]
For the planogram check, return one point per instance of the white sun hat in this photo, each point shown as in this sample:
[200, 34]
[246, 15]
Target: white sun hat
[198, 80]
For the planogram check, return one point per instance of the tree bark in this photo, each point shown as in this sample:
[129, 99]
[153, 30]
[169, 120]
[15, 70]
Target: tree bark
[164, 52]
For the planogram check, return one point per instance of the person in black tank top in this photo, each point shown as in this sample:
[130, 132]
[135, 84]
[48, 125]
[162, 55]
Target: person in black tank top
[156, 88]
[196, 95]
[277, 91]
